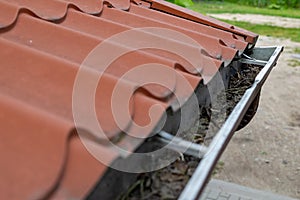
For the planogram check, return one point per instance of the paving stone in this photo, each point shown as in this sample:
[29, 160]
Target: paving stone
[221, 190]
[234, 197]
[224, 194]
[222, 198]
[214, 194]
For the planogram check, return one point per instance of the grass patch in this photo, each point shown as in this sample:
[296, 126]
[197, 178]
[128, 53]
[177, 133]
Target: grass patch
[296, 50]
[294, 63]
[226, 7]
[218, 168]
[263, 153]
[261, 29]
[274, 31]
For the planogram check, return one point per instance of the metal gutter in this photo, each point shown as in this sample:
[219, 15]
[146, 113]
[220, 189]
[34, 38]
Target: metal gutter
[200, 177]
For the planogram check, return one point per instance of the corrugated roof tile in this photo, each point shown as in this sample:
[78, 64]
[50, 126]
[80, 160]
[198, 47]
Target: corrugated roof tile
[26, 151]
[230, 39]
[170, 8]
[45, 44]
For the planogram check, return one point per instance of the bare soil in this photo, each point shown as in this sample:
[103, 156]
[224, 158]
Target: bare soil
[266, 154]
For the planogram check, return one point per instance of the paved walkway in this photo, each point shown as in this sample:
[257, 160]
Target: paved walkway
[221, 190]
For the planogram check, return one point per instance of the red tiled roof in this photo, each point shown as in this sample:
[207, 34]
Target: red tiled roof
[43, 44]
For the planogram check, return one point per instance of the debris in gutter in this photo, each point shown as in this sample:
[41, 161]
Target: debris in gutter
[167, 183]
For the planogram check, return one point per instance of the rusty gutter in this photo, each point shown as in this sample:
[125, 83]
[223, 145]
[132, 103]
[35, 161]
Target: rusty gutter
[201, 176]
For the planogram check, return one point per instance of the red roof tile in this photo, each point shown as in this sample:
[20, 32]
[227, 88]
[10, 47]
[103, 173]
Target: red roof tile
[44, 44]
[170, 8]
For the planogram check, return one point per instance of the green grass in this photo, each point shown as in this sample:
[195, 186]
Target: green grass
[218, 168]
[274, 31]
[225, 7]
[293, 63]
[296, 50]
